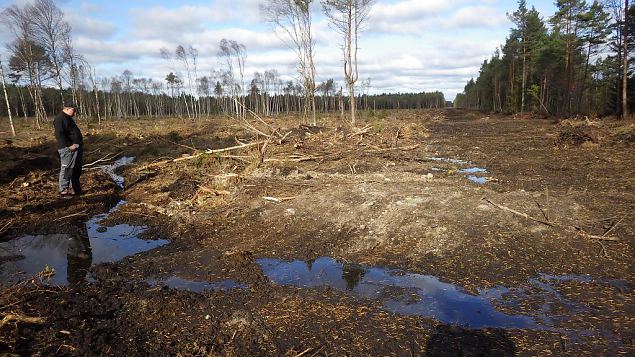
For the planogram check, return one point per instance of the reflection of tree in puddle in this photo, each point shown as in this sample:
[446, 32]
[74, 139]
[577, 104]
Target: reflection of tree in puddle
[352, 274]
[79, 256]
[309, 264]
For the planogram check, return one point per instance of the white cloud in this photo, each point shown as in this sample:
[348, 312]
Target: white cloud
[478, 16]
[90, 27]
[97, 51]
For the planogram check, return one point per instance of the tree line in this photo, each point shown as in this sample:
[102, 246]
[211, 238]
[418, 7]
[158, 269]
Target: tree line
[126, 96]
[44, 70]
[580, 61]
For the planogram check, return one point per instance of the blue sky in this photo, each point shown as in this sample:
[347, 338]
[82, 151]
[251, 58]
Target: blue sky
[409, 46]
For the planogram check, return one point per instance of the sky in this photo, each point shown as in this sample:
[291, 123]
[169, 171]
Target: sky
[408, 45]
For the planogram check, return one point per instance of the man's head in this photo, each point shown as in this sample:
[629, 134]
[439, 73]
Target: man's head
[70, 108]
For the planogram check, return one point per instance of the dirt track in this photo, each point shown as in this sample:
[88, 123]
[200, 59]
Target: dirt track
[397, 196]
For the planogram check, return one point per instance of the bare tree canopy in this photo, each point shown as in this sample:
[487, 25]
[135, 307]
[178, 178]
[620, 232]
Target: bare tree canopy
[348, 17]
[293, 17]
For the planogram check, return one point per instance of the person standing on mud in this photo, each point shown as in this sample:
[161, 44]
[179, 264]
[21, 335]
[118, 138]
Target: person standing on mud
[70, 148]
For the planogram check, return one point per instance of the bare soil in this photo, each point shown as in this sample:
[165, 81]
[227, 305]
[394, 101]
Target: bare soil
[559, 201]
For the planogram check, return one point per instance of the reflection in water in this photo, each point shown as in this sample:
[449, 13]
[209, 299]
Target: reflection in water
[400, 292]
[71, 254]
[352, 274]
[476, 179]
[79, 257]
[110, 169]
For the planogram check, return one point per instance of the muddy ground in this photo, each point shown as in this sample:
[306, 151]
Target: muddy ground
[533, 216]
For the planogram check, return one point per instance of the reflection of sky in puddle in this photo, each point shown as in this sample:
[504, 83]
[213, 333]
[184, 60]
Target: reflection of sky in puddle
[71, 255]
[476, 179]
[110, 169]
[403, 293]
[174, 282]
[454, 161]
[472, 170]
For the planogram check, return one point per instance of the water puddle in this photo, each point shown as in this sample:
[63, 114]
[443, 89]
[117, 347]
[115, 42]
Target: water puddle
[477, 179]
[445, 159]
[400, 292]
[177, 283]
[110, 169]
[70, 255]
[473, 170]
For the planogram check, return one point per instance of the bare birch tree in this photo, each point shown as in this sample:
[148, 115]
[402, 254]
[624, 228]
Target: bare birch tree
[6, 98]
[348, 18]
[53, 33]
[232, 51]
[293, 17]
[28, 56]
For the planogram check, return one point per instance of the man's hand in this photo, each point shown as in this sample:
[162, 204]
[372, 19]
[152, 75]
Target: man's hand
[73, 147]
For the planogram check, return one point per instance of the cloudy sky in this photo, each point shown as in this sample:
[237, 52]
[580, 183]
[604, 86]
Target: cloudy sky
[409, 45]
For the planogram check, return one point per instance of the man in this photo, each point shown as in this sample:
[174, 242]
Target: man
[70, 147]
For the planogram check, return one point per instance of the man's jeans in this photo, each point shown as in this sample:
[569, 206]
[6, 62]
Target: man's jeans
[71, 169]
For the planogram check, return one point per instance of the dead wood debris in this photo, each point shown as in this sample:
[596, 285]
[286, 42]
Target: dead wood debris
[80, 213]
[578, 229]
[206, 152]
[20, 318]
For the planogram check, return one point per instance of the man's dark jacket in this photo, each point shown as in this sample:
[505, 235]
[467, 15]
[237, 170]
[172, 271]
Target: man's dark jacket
[66, 131]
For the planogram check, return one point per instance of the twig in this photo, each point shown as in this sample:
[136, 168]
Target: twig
[603, 250]
[404, 148]
[70, 215]
[277, 199]
[304, 352]
[544, 214]
[519, 213]
[6, 226]
[108, 157]
[612, 227]
[284, 137]
[586, 234]
[318, 351]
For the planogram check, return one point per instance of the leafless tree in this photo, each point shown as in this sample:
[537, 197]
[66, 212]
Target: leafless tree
[26, 54]
[53, 33]
[6, 98]
[233, 51]
[173, 80]
[348, 18]
[293, 17]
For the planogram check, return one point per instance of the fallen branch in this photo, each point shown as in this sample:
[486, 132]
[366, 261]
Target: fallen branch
[213, 191]
[612, 227]
[108, 157]
[403, 148]
[81, 213]
[277, 199]
[579, 230]
[361, 131]
[19, 318]
[6, 226]
[206, 152]
[519, 213]
[586, 234]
